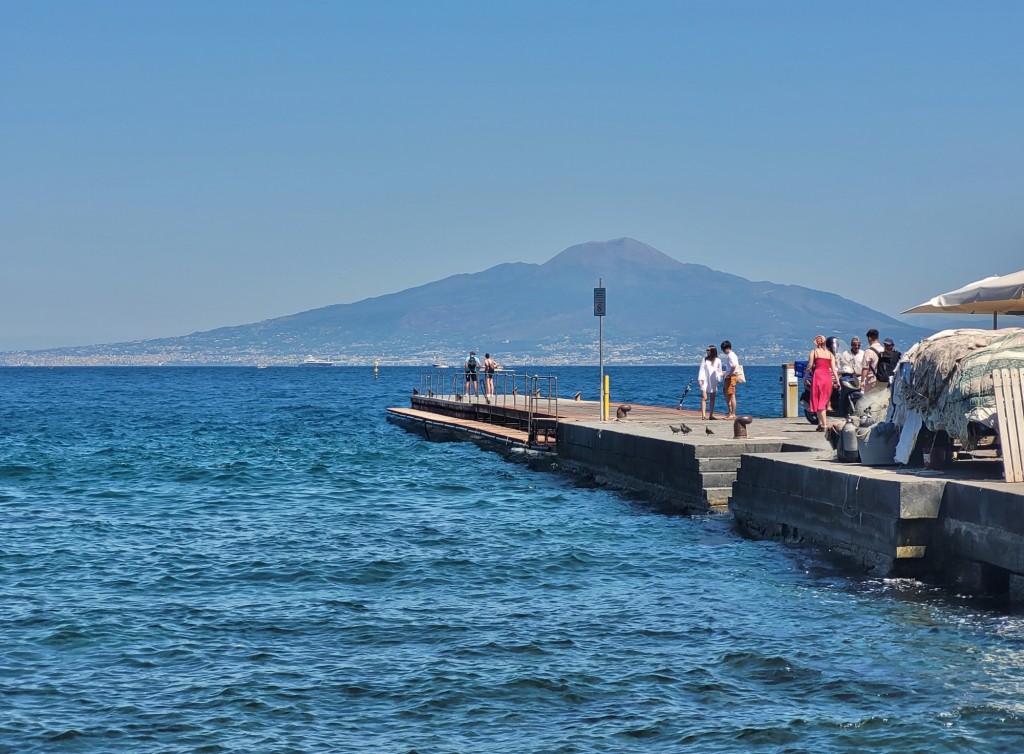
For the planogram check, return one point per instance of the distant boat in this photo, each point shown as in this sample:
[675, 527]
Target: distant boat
[312, 361]
[440, 366]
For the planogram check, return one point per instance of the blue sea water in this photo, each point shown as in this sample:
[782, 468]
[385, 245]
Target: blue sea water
[243, 560]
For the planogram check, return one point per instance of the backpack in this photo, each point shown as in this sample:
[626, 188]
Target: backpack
[471, 364]
[886, 365]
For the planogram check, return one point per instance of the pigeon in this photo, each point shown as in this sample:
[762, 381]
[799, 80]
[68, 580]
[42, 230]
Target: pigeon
[707, 431]
[536, 393]
[415, 391]
[458, 396]
[578, 396]
[674, 428]
[685, 429]
[621, 411]
[515, 390]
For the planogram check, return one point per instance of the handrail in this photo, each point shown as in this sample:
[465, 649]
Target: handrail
[503, 387]
[533, 394]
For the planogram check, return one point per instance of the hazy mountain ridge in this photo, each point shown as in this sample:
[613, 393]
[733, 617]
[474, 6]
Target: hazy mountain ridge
[659, 309]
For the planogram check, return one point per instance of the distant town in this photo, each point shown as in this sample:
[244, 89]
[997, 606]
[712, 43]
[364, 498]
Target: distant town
[622, 353]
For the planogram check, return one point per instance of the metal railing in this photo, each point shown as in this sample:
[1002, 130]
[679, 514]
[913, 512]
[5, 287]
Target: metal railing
[531, 393]
[532, 398]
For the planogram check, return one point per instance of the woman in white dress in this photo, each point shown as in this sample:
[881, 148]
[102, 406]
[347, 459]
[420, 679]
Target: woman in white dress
[708, 377]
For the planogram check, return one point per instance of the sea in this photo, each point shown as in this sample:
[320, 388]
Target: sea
[255, 560]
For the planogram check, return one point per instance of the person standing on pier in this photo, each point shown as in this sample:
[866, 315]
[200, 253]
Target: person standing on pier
[472, 365]
[851, 364]
[869, 366]
[708, 377]
[490, 367]
[730, 363]
[825, 375]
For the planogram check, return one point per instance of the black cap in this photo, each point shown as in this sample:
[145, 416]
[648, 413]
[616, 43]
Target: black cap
[888, 342]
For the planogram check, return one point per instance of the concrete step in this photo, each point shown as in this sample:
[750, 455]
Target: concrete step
[724, 463]
[717, 497]
[715, 479]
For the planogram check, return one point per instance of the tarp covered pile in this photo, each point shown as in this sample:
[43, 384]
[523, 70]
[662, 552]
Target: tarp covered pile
[949, 380]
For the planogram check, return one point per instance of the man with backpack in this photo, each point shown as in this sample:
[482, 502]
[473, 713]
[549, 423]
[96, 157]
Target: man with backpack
[868, 380]
[879, 362]
[472, 365]
[887, 361]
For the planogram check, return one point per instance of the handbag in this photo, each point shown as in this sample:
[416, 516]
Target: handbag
[739, 374]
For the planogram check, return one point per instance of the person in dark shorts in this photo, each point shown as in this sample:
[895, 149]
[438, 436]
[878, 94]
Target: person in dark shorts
[490, 367]
[730, 363]
[472, 366]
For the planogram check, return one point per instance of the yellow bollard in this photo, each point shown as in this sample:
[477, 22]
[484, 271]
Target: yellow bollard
[607, 398]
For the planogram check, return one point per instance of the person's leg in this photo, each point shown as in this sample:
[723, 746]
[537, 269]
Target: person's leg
[822, 418]
[711, 404]
[703, 404]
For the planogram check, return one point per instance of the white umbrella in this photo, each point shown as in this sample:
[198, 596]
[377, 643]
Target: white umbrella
[999, 294]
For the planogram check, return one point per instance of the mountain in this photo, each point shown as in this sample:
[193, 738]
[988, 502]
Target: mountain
[659, 310]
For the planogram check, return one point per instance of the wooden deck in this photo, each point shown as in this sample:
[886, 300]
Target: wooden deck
[508, 419]
[430, 420]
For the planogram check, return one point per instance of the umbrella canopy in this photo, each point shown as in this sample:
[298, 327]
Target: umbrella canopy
[999, 294]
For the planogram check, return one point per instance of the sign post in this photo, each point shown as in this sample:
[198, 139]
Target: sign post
[599, 312]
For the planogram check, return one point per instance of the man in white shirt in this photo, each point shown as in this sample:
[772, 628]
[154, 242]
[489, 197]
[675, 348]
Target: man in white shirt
[730, 361]
[868, 381]
[851, 365]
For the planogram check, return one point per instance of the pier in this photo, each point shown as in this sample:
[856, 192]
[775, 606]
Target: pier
[963, 527]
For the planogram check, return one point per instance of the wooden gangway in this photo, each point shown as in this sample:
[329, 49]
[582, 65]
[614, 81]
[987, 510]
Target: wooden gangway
[1009, 395]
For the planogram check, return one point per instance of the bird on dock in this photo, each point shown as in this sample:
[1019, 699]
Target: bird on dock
[578, 396]
[536, 393]
[415, 391]
[707, 431]
[515, 390]
[458, 396]
[684, 428]
[674, 428]
[621, 411]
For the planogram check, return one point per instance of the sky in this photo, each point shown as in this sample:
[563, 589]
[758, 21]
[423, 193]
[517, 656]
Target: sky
[167, 168]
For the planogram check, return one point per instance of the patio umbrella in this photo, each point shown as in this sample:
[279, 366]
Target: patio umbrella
[999, 294]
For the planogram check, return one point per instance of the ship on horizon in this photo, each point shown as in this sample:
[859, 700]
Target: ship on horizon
[312, 361]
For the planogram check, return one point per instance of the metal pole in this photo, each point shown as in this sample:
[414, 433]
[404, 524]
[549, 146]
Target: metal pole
[600, 357]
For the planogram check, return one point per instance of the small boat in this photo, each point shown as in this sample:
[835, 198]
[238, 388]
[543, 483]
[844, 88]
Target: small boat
[312, 361]
[440, 366]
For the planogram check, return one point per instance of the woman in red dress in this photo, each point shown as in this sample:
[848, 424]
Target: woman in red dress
[825, 374]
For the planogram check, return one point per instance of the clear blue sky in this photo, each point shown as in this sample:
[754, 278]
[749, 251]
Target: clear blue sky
[179, 166]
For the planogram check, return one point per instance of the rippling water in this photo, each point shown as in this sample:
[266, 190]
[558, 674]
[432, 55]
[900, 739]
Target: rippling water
[242, 560]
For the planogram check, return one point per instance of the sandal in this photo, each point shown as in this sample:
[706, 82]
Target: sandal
[819, 429]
